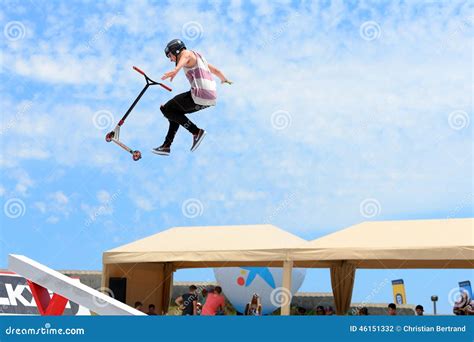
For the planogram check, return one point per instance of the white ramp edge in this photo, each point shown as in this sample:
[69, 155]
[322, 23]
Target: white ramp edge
[61, 284]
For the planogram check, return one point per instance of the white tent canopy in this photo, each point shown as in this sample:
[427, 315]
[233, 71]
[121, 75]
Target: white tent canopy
[202, 246]
[447, 243]
[148, 264]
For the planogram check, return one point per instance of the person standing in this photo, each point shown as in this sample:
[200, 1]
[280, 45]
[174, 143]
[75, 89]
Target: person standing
[151, 310]
[215, 302]
[188, 302]
[419, 310]
[392, 309]
[253, 308]
[138, 306]
[320, 310]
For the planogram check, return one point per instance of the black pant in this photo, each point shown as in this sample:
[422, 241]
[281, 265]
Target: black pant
[175, 109]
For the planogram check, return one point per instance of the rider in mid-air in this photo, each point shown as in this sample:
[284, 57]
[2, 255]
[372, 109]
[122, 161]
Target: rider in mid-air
[202, 94]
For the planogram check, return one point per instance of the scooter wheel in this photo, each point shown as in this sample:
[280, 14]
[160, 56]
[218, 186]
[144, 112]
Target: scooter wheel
[109, 136]
[136, 155]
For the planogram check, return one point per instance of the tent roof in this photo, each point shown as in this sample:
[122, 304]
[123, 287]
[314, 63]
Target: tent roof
[446, 243]
[209, 246]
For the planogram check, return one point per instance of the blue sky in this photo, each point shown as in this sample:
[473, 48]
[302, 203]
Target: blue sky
[337, 108]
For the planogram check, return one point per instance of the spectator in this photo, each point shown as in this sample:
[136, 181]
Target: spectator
[363, 311]
[215, 302]
[253, 308]
[392, 309]
[320, 310]
[139, 306]
[188, 302]
[151, 310]
[329, 311]
[419, 310]
[198, 308]
[300, 311]
[463, 306]
[203, 297]
[469, 309]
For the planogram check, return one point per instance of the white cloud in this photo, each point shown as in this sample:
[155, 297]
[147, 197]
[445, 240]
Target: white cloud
[60, 198]
[103, 196]
[68, 69]
[143, 203]
[41, 206]
[245, 195]
[52, 219]
[23, 180]
[32, 152]
[88, 210]
[56, 206]
[105, 207]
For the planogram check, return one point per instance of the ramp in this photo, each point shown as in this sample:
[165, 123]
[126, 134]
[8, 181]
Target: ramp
[66, 287]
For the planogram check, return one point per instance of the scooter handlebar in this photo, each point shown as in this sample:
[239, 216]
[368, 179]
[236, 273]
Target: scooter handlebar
[139, 70]
[149, 80]
[165, 86]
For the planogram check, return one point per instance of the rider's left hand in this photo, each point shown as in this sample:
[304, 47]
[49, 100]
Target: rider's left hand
[170, 75]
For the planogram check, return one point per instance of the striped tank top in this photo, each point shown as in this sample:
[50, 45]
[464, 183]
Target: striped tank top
[203, 86]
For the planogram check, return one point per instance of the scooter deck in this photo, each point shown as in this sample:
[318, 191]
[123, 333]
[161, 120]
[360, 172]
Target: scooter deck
[115, 134]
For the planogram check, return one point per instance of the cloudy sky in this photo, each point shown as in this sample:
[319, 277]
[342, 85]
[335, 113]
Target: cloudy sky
[340, 112]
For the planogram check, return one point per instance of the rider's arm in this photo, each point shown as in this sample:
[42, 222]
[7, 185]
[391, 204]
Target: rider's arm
[218, 73]
[183, 60]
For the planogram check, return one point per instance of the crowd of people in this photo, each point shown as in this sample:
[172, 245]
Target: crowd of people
[391, 310]
[151, 308]
[358, 311]
[211, 302]
[206, 302]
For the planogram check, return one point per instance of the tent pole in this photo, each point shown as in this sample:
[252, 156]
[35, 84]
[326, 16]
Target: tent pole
[285, 294]
[104, 282]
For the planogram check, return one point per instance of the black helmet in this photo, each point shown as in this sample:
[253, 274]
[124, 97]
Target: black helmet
[175, 47]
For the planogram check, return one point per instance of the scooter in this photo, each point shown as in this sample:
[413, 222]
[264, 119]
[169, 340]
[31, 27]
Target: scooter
[115, 134]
